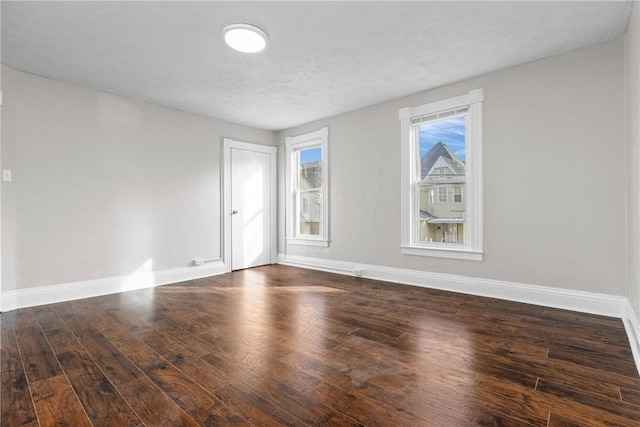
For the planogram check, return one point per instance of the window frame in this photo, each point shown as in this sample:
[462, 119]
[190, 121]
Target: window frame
[293, 145]
[453, 194]
[410, 168]
[442, 191]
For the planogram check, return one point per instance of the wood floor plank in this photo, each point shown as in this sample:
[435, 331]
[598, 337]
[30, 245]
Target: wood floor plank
[488, 418]
[203, 373]
[312, 366]
[435, 394]
[304, 408]
[566, 410]
[25, 318]
[552, 368]
[185, 392]
[221, 415]
[508, 398]
[42, 363]
[631, 395]
[111, 361]
[582, 318]
[572, 382]
[504, 346]
[254, 407]
[112, 329]
[622, 364]
[70, 353]
[123, 315]
[16, 404]
[198, 346]
[101, 401]
[375, 413]
[153, 406]
[256, 368]
[56, 403]
[585, 396]
[552, 337]
[558, 420]
[565, 326]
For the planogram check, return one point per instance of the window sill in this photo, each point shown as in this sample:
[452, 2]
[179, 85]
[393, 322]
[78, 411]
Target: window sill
[309, 242]
[452, 253]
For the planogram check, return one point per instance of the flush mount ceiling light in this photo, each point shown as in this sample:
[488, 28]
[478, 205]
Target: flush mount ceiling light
[245, 38]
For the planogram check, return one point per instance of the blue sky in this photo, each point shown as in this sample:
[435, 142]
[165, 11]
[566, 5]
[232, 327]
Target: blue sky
[310, 155]
[449, 131]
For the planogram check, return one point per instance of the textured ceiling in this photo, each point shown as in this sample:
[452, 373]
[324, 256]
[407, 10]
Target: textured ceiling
[324, 58]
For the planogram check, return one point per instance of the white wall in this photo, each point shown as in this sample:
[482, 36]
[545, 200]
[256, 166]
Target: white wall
[105, 185]
[632, 117]
[554, 183]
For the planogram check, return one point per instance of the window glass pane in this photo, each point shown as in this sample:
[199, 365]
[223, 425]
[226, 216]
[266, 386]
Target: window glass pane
[437, 222]
[310, 188]
[442, 194]
[442, 146]
[311, 212]
[310, 168]
[457, 194]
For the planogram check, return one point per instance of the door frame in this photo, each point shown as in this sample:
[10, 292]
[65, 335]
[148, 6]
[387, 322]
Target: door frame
[227, 145]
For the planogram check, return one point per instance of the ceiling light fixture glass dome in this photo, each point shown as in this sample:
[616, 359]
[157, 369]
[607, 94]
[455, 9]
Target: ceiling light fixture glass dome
[245, 38]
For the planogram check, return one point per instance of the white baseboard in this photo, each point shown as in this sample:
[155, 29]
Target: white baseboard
[31, 297]
[585, 302]
[632, 326]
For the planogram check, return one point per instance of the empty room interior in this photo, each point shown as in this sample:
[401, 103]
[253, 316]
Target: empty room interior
[345, 213]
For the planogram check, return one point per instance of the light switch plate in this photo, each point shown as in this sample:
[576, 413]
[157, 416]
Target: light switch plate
[6, 175]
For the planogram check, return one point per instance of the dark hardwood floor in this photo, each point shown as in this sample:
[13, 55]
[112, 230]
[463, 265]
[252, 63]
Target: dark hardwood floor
[284, 346]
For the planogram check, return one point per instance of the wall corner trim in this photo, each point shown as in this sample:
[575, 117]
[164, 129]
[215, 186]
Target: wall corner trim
[581, 301]
[632, 326]
[42, 295]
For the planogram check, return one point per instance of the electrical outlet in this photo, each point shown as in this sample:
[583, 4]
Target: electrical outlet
[358, 272]
[197, 261]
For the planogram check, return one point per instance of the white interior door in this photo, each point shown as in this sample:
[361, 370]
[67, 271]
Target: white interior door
[251, 204]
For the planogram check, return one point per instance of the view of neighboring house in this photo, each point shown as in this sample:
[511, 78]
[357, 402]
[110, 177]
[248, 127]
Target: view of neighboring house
[310, 197]
[442, 196]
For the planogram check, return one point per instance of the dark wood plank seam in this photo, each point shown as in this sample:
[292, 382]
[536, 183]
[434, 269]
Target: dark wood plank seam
[100, 369]
[33, 402]
[168, 362]
[94, 362]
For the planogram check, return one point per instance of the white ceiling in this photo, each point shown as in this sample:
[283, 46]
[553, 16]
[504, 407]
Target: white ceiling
[324, 58]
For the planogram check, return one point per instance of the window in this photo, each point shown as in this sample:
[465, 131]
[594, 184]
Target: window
[306, 205]
[457, 194]
[442, 194]
[442, 141]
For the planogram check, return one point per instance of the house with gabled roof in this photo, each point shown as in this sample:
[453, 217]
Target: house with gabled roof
[440, 157]
[442, 193]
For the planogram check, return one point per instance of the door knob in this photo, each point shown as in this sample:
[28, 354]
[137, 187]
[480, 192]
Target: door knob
[233, 212]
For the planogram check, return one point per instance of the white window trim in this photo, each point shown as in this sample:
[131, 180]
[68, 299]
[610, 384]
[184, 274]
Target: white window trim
[320, 136]
[472, 249]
